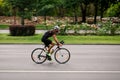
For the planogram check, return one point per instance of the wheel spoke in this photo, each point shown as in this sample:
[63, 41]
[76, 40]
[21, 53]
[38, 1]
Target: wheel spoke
[62, 55]
[38, 56]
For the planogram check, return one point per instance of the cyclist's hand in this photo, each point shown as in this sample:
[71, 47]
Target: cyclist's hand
[59, 44]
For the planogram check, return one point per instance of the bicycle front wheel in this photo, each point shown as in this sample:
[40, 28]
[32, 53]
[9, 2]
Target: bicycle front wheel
[62, 55]
[38, 55]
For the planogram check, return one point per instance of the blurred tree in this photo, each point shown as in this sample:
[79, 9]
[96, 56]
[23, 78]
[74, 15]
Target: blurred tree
[60, 7]
[114, 11]
[96, 5]
[73, 4]
[4, 8]
[24, 7]
[45, 6]
[104, 5]
[83, 5]
[1, 6]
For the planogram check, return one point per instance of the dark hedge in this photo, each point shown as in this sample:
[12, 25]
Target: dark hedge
[20, 30]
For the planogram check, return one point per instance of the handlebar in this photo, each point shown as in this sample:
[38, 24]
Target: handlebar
[62, 42]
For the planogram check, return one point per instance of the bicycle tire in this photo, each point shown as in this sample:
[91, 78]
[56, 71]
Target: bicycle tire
[61, 54]
[38, 55]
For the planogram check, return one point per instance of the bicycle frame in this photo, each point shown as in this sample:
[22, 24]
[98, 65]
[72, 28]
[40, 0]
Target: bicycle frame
[45, 48]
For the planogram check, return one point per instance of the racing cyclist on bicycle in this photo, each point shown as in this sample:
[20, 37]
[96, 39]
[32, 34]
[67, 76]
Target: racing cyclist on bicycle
[48, 43]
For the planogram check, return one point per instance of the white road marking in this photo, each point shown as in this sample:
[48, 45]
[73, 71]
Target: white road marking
[34, 71]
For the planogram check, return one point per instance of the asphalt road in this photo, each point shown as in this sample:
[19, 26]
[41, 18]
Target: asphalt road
[88, 62]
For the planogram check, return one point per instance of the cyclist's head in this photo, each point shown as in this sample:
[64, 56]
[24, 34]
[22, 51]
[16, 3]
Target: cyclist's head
[57, 28]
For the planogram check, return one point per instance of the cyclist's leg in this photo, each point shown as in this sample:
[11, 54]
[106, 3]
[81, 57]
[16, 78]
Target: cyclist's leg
[49, 44]
[50, 47]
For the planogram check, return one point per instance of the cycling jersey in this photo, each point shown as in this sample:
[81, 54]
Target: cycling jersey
[46, 36]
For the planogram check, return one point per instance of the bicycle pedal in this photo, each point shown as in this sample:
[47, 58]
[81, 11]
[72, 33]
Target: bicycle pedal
[48, 57]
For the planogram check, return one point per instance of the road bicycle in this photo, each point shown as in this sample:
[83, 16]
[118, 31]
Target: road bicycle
[61, 55]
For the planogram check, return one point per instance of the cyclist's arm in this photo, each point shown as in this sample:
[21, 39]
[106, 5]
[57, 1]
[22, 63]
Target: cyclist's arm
[55, 38]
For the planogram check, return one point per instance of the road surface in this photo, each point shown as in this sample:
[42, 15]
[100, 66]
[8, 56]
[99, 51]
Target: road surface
[88, 62]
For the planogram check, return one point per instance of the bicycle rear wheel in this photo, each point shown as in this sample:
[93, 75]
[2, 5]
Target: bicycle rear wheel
[62, 55]
[38, 55]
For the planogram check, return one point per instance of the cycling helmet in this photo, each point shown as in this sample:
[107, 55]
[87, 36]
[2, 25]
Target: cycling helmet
[57, 28]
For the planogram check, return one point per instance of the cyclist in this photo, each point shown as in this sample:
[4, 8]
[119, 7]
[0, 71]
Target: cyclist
[48, 43]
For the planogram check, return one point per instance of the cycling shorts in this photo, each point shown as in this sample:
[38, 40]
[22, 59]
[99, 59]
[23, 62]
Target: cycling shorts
[47, 42]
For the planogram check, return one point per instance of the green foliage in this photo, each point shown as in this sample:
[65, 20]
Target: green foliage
[44, 7]
[43, 27]
[24, 7]
[4, 8]
[59, 8]
[63, 30]
[2, 26]
[76, 28]
[108, 28]
[114, 10]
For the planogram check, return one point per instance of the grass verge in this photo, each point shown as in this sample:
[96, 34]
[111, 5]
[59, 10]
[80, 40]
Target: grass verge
[36, 39]
[2, 26]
